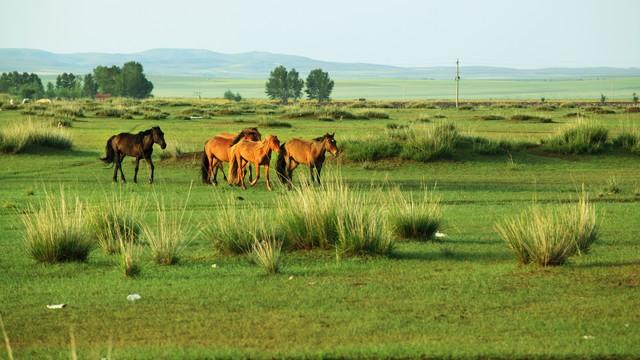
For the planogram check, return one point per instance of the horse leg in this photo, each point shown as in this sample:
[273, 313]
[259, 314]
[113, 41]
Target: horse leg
[150, 162]
[115, 167]
[313, 180]
[250, 173]
[120, 158]
[135, 175]
[255, 181]
[210, 169]
[214, 168]
[318, 170]
[266, 175]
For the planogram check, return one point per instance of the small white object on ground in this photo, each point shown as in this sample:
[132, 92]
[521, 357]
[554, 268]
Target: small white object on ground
[134, 297]
[291, 277]
[56, 306]
[215, 266]
[588, 337]
[440, 235]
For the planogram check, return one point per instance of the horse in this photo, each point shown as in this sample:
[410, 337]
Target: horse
[216, 151]
[256, 152]
[138, 145]
[296, 152]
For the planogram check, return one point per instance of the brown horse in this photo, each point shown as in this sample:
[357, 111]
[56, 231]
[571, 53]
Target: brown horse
[138, 145]
[256, 152]
[296, 152]
[216, 151]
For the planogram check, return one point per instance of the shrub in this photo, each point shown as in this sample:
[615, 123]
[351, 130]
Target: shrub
[56, 231]
[129, 257]
[599, 110]
[633, 109]
[423, 119]
[171, 233]
[431, 142]
[628, 140]
[360, 232]
[233, 230]
[267, 254]
[118, 219]
[415, 219]
[371, 149]
[274, 123]
[153, 115]
[575, 115]
[372, 114]
[612, 186]
[338, 113]
[530, 118]
[549, 236]
[491, 117]
[580, 138]
[229, 95]
[492, 147]
[17, 137]
[70, 112]
[300, 112]
[110, 112]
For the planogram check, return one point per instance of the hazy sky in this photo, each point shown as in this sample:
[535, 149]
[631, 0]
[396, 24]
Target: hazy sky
[524, 33]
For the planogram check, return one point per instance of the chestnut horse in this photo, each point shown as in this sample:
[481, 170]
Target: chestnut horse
[257, 153]
[296, 152]
[138, 145]
[216, 151]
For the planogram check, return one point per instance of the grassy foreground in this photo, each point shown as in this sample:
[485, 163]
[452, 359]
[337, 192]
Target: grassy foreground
[464, 296]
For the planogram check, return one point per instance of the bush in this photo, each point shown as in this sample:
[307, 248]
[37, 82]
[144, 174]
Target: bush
[371, 149]
[431, 142]
[360, 232]
[70, 112]
[229, 95]
[412, 219]
[300, 112]
[152, 115]
[56, 231]
[267, 254]
[110, 112]
[628, 141]
[634, 109]
[338, 113]
[274, 123]
[599, 110]
[171, 233]
[115, 221]
[129, 257]
[491, 117]
[17, 137]
[372, 114]
[549, 237]
[530, 118]
[581, 138]
[575, 115]
[493, 147]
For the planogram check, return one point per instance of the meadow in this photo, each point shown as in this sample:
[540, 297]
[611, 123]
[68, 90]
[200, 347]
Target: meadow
[464, 295]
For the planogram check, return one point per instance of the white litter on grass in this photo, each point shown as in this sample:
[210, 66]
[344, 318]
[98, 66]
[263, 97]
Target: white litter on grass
[588, 337]
[440, 235]
[291, 277]
[215, 266]
[134, 297]
[56, 306]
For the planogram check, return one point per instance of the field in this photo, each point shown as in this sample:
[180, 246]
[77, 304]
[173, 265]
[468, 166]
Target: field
[462, 296]
[619, 88]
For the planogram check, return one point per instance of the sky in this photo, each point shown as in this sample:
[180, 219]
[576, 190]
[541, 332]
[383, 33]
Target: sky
[516, 33]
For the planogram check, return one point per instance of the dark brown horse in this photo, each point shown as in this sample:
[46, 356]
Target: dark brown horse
[296, 152]
[138, 145]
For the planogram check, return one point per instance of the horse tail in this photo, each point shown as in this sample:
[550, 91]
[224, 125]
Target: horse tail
[204, 168]
[233, 169]
[281, 165]
[110, 153]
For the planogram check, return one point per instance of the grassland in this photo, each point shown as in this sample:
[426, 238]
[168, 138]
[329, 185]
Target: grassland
[619, 88]
[464, 296]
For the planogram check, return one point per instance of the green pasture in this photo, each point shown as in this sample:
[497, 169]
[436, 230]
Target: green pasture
[462, 297]
[613, 88]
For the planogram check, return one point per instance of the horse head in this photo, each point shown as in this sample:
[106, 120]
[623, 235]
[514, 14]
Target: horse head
[158, 137]
[330, 143]
[273, 143]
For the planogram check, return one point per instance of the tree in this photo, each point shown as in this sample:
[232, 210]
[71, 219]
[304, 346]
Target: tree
[283, 84]
[635, 98]
[90, 88]
[229, 95]
[25, 84]
[108, 79]
[319, 85]
[51, 91]
[134, 82]
[603, 98]
[68, 86]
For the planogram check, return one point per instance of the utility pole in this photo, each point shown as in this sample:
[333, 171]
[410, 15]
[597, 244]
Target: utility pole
[457, 82]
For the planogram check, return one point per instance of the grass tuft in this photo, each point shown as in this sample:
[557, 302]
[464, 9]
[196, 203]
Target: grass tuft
[118, 219]
[413, 219]
[581, 138]
[267, 253]
[17, 137]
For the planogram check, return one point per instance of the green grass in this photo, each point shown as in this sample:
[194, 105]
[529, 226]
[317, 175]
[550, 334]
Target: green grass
[463, 297]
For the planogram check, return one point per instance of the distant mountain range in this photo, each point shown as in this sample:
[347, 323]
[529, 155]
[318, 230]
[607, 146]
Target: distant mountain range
[205, 63]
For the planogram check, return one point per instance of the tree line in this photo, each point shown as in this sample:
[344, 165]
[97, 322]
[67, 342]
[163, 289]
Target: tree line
[127, 81]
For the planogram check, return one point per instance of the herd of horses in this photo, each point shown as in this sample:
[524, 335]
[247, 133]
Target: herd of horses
[241, 151]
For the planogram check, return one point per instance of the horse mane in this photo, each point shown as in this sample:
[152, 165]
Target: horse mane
[145, 132]
[238, 137]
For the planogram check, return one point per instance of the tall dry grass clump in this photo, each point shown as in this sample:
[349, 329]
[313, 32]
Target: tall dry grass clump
[118, 218]
[429, 142]
[267, 253]
[130, 253]
[171, 234]
[18, 136]
[548, 236]
[56, 230]
[583, 137]
[415, 219]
